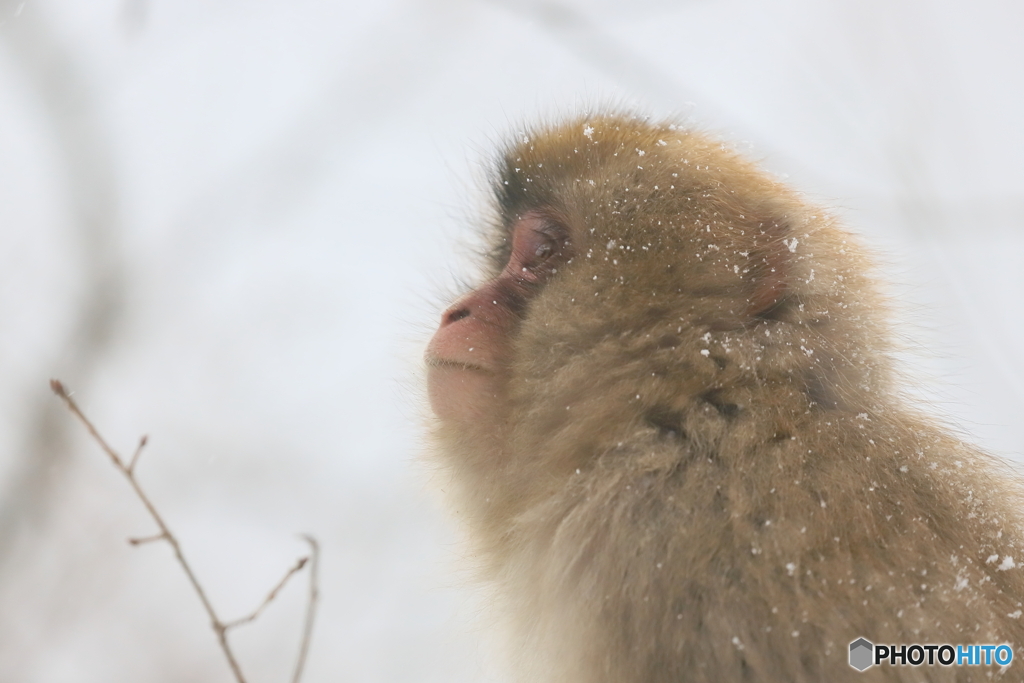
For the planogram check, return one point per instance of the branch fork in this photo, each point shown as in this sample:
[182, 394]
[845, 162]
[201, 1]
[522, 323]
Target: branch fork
[220, 627]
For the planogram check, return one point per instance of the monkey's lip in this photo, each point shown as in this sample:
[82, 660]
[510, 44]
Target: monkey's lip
[433, 362]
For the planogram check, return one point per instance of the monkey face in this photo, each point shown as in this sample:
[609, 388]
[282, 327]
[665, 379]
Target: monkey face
[468, 355]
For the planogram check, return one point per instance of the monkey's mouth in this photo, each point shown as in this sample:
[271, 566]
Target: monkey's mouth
[447, 364]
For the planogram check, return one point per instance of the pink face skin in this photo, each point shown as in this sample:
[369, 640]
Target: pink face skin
[468, 355]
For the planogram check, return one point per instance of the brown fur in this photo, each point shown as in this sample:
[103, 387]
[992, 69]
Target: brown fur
[703, 469]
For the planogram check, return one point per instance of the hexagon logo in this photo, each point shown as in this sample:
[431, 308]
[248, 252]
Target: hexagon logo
[861, 654]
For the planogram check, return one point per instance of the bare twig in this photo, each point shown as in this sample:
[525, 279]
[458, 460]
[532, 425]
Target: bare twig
[314, 596]
[270, 596]
[147, 539]
[220, 627]
[137, 453]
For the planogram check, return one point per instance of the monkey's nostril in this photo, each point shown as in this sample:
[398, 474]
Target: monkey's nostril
[455, 316]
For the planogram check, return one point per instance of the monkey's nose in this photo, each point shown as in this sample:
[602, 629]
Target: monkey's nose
[454, 314]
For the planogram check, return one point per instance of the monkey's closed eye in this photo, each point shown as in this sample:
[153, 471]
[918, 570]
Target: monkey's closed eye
[543, 248]
[535, 245]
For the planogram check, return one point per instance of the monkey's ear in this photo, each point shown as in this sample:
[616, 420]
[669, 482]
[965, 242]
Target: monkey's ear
[769, 273]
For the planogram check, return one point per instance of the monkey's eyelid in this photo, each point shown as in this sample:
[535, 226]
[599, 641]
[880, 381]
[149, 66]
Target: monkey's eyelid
[541, 246]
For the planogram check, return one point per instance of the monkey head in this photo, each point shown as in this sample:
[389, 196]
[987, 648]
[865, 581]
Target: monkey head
[639, 270]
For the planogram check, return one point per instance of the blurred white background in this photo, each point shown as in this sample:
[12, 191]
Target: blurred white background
[232, 226]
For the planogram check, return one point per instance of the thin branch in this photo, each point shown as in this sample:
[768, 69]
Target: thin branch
[215, 622]
[147, 539]
[221, 628]
[314, 596]
[270, 596]
[137, 453]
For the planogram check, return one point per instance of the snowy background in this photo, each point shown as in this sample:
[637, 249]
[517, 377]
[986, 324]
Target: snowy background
[232, 225]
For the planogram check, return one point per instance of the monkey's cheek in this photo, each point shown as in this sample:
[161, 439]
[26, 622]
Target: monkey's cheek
[461, 395]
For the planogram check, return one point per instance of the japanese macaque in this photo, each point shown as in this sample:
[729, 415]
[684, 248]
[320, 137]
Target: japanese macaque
[673, 427]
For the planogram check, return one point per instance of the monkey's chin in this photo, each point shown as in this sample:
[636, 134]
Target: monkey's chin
[461, 394]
